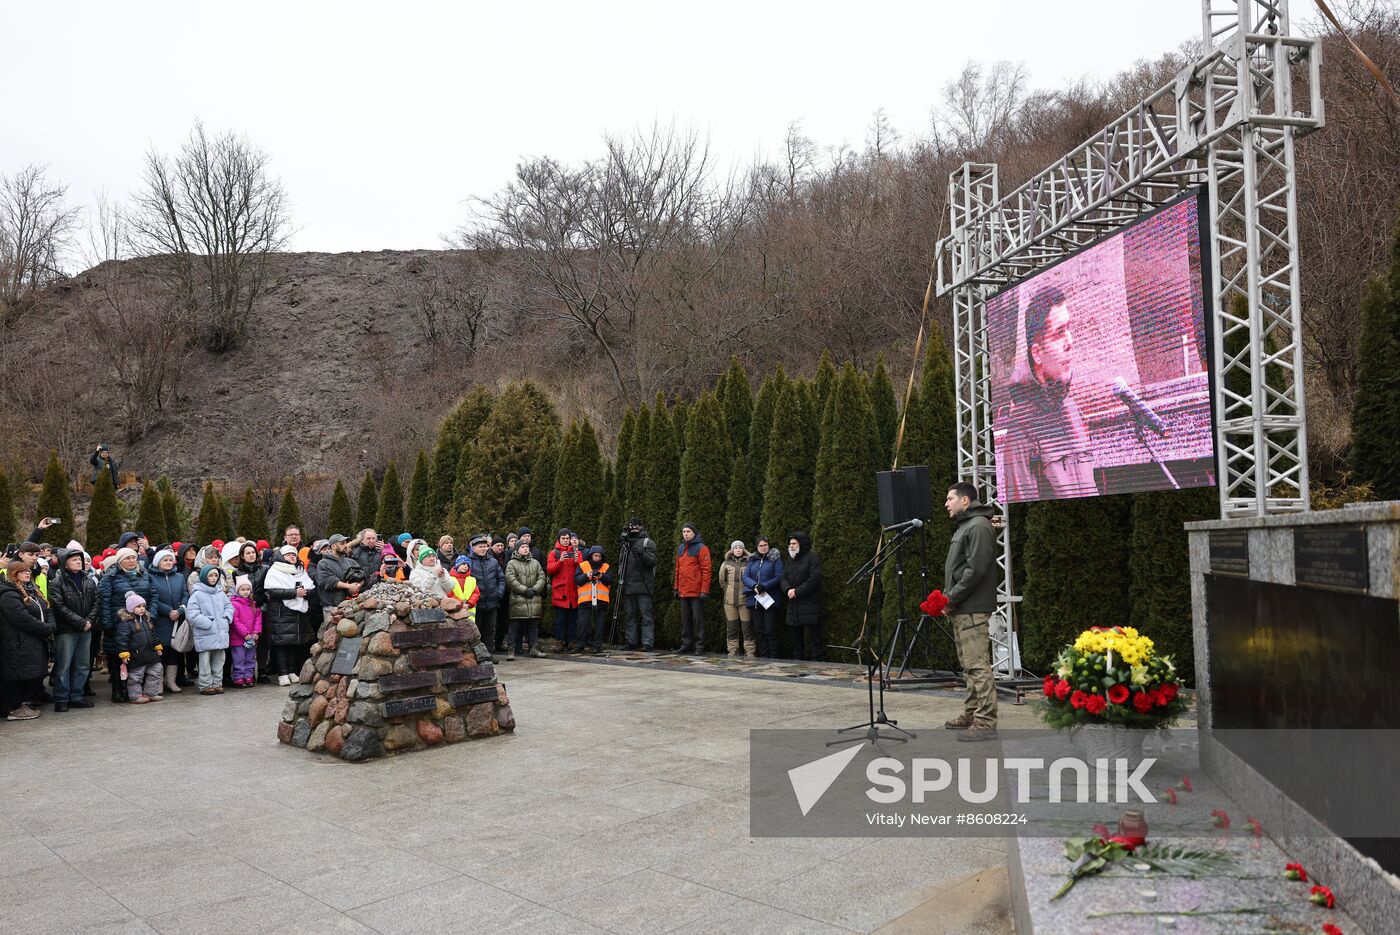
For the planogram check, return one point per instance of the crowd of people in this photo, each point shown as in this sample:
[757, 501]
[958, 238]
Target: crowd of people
[160, 618]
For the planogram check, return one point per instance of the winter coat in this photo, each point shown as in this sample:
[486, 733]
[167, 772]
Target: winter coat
[435, 581]
[330, 571]
[764, 573]
[210, 613]
[247, 620]
[561, 566]
[526, 581]
[169, 590]
[803, 574]
[113, 586]
[731, 579]
[969, 574]
[97, 466]
[25, 625]
[639, 568]
[287, 620]
[465, 590]
[490, 580]
[369, 558]
[693, 568]
[136, 634]
[73, 603]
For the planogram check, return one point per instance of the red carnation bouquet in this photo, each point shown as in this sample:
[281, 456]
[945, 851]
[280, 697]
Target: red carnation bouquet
[934, 604]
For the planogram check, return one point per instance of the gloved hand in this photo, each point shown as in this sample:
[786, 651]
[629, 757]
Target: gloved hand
[124, 657]
[160, 648]
[676, 593]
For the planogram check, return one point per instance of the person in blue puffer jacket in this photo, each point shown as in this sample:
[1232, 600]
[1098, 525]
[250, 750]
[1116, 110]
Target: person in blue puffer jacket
[168, 585]
[210, 613]
[762, 576]
[124, 575]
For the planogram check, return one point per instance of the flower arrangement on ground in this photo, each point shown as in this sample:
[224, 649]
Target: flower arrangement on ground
[1112, 676]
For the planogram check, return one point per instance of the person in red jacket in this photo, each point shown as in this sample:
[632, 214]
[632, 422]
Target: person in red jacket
[692, 587]
[561, 565]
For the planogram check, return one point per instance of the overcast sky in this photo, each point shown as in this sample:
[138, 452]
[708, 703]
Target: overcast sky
[383, 118]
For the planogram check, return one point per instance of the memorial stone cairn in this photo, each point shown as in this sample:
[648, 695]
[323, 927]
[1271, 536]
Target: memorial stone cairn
[395, 670]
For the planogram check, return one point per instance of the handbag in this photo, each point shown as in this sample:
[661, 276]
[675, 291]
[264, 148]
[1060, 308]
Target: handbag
[182, 638]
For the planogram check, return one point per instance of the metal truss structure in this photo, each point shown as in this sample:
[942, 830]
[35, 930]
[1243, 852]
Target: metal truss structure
[1228, 121]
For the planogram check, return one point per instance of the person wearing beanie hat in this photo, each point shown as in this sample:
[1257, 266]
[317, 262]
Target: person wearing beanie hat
[122, 575]
[762, 576]
[738, 618]
[447, 551]
[73, 599]
[392, 567]
[138, 647]
[464, 588]
[288, 618]
[488, 571]
[561, 566]
[25, 626]
[167, 608]
[594, 579]
[211, 614]
[692, 587]
[245, 632]
[526, 581]
[429, 575]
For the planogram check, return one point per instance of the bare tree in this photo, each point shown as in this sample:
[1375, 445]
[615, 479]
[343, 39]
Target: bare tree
[451, 302]
[209, 218]
[980, 107]
[35, 226]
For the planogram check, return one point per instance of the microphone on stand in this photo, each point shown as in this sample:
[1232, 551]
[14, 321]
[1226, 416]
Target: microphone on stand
[1140, 410]
[907, 524]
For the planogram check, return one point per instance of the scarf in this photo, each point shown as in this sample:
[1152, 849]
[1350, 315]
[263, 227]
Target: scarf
[283, 576]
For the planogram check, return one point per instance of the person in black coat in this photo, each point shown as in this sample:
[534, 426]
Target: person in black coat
[25, 625]
[73, 599]
[802, 584]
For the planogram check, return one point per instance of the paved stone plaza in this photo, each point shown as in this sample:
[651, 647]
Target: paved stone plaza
[619, 805]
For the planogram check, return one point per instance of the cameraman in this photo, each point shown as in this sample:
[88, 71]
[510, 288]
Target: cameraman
[638, 565]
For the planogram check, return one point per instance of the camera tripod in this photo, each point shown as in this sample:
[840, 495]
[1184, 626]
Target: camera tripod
[873, 729]
[624, 557]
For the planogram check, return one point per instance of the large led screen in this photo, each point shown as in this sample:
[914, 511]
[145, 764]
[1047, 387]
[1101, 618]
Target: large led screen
[1099, 371]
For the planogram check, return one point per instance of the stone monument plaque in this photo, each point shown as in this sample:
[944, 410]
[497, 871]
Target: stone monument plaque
[421, 615]
[1229, 552]
[1332, 557]
[347, 654]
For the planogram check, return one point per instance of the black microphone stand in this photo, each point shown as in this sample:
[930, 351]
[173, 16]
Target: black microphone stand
[878, 720]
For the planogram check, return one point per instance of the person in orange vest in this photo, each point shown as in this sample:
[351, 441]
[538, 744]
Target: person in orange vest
[594, 579]
[692, 587]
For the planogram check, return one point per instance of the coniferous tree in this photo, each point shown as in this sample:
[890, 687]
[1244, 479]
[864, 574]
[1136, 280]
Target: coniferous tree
[1086, 535]
[367, 506]
[288, 513]
[540, 516]
[1159, 567]
[580, 483]
[7, 509]
[226, 530]
[882, 401]
[738, 406]
[170, 510]
[104, 525]
[252, 519]
[625, 436]
[53, 497]
[206, 525]
[456, 433]
[1375, 417]
[845, 521]
[494, 489]
[609, 526]
[662, 490]
[340, 519]
[705, 472]
[149, 518]
[760, 430]
[787, 491]
[738, 509]
[680, 413]
[419, 515]
[388, 519]
[824, 381]
[634, 483]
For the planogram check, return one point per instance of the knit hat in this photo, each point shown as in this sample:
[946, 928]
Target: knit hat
[241, 580]
[262, 544]
[204, 572]
[124, 554]
[443, 540]
[217, 543]
[155, 560]
[737, 544]
[523, 531]
[425, 552]
[461, 560]
[691, 527]
[498, 538]
[481, 537]
[133, 601]
[285, 549]
[404, 537]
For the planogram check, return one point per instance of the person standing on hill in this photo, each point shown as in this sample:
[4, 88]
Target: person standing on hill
[101, 460]
[970, 585]
[561, 566]
[692, 587]
[802, 584]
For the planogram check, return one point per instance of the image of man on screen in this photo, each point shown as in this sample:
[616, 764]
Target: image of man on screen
[1046, 451]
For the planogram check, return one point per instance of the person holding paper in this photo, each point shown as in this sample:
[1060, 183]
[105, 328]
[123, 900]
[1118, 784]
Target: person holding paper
[761, 593]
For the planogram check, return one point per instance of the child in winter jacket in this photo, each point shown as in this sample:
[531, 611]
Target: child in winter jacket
[138, 649]
[244, 633]
[465, 589]
[210, 613]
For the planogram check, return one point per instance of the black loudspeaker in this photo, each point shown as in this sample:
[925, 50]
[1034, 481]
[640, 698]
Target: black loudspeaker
[904, 495]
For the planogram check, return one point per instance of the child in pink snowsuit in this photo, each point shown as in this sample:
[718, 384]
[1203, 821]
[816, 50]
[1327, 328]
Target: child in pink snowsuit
[244, 633]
